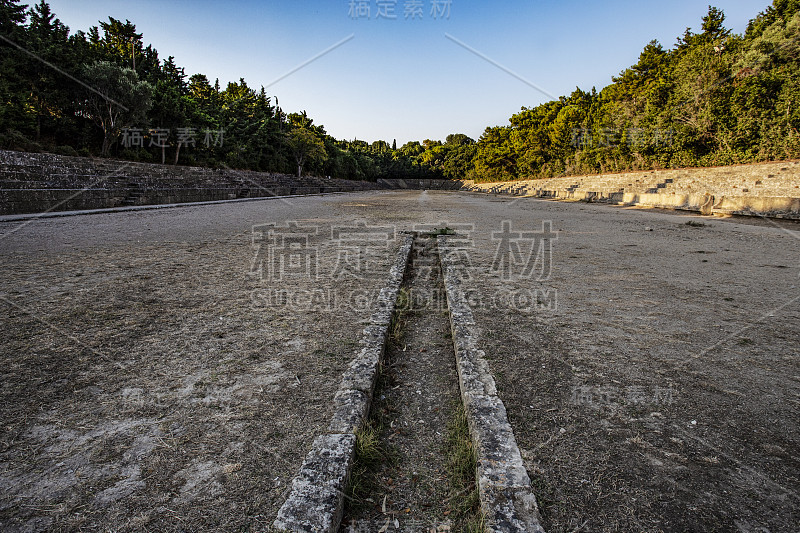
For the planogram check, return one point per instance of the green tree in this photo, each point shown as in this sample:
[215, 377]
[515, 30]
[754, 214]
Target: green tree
[172, 108]
[12, 61]
[118, 98]
[495, 159]
[120, 42]
[412, 149]
[51, 93]
[458, 160]
[306, 148]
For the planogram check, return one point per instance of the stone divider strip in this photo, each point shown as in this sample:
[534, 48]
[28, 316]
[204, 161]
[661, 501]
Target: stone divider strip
[316, 502]
[505, 488]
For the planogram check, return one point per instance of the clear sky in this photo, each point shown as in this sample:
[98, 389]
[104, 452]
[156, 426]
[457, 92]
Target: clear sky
[404, 78]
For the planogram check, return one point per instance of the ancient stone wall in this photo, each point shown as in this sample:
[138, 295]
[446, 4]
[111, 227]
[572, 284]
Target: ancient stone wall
[768, 189]
[420, 184]
[34, 183]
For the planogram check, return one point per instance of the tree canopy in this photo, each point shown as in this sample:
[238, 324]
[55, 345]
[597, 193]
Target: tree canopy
[714, 98]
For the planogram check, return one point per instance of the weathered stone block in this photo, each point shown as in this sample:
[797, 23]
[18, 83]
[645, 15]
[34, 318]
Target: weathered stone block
[385, 305]
[374, 335]
[499, 460]
[474, 375]
[363, 370]
[350, 409]
[316, 502]
[511, 511]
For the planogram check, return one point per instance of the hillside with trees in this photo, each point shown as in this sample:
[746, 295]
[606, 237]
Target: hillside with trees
[715, 98]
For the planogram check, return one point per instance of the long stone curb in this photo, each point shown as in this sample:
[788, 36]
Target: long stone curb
[505, 488]
[149, 207]
[316, 502]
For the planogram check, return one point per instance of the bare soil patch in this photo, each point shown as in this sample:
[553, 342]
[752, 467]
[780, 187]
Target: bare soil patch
[662, 392]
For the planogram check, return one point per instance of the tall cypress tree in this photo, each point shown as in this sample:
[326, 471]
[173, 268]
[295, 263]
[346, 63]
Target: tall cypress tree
[12, 59]
[51, 92]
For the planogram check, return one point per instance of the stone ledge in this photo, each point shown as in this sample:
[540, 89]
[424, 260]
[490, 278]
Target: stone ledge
[386, 302]
[316, 502]
[500, 463]
[504, 486]
[512, 510]
[769, 189]
[35, 183]
[351, 408]
[373, 335]
[474, 375]
[362, 371]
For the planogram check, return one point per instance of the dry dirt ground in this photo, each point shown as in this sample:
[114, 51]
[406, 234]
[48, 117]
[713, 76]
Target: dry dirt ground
[150, 381]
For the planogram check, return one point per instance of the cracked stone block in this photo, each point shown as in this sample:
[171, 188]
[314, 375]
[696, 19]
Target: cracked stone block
[385, 304]
[499, 460]
[460, 313]
[316, 502]
[374, 335]
[474, 375]
[511, 511]
[362, 371]
[463, 338]
[350, 409]
[398, 269]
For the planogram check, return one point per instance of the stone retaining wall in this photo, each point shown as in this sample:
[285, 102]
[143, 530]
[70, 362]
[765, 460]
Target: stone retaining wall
[420, 184]
[34, 183]
[767, 189]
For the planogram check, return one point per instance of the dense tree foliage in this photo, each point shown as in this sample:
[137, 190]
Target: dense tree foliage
[714, 98]
[104, 92]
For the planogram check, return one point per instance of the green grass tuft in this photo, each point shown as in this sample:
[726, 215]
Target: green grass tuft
[400, 317]
[462, 466]
[369, 454]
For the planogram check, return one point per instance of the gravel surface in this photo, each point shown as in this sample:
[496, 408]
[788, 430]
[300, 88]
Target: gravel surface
[151, 380]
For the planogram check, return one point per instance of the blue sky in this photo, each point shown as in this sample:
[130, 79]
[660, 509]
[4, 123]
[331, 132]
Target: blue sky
[404, 79]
